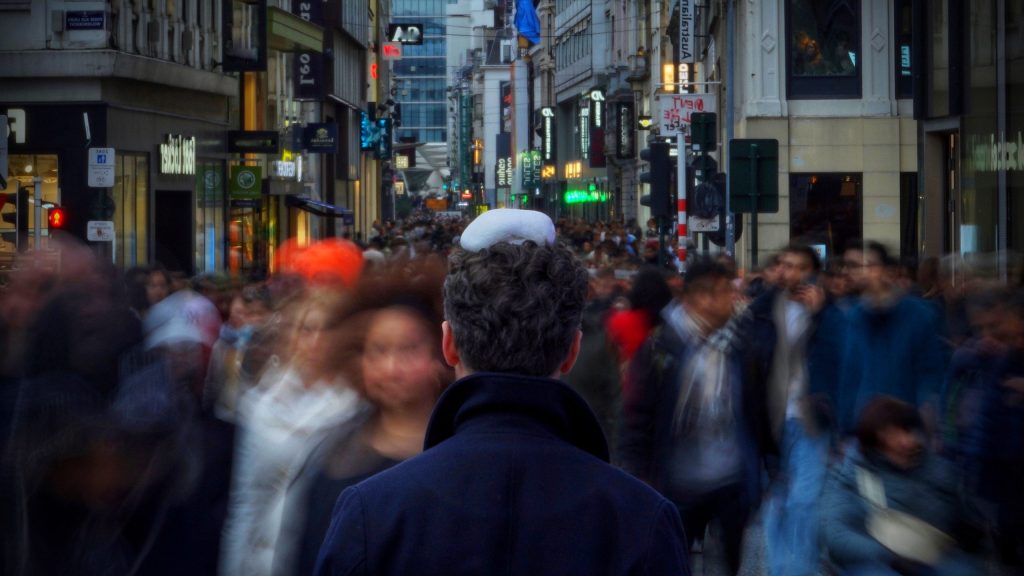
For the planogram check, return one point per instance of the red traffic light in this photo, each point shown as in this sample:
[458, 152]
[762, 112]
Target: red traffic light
[56, 217]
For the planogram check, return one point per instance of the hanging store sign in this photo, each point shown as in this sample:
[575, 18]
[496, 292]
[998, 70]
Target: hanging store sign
[547, 115]
[308, 81]
[597, 108]
[253, 141]
[687, 48]
[530, 164]
[178, 155]
[504, 172]
[596, 135]
[246, 182]
[584, 128]
[625, 142]
[320, 138]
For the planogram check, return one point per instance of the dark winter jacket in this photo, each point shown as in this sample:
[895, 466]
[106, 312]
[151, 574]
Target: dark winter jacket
[647, 443]
[894, 351]
[825, 344]
[514, 480]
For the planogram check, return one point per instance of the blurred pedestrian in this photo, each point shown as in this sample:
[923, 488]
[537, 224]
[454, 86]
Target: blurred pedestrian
[892, 345]
[515, 470]
[686, 428]
[895, 508]
[401, 373]
[304, 395]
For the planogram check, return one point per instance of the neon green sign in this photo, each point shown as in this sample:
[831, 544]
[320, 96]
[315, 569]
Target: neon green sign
[590, 195]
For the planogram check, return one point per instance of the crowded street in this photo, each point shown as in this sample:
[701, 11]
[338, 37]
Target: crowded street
[511, 287]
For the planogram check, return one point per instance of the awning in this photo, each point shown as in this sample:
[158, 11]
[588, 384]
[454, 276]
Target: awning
[321, 208]
[287, 32]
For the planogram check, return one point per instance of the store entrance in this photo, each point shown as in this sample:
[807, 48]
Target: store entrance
[173, 230]
[941, 210]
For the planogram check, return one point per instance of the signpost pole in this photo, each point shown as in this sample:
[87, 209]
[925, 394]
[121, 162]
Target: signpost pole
[37, 182]
[753, 201]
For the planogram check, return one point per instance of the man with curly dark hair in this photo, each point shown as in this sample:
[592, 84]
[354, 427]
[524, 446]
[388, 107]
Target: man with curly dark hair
[514, 478]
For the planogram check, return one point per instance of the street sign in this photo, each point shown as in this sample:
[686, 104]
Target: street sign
[101, 167]
[675, 111]
[99, 231]
[754, 171]
[698, 224]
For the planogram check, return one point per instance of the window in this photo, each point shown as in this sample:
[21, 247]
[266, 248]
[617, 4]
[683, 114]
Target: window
[823, 49]
[825, 210]
[131, 209]
[17, 225]
[209, 226]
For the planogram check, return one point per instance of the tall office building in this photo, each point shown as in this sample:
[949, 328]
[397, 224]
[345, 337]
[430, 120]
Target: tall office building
[420, 75]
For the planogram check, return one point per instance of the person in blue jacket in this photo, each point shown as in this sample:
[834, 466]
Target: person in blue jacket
[514, 478]
[893, 344]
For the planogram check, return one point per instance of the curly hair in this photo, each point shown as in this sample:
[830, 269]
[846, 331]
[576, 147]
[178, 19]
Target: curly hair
[515, 308]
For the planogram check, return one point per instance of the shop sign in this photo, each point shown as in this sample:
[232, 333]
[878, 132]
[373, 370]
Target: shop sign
[246, 182]
[391, 51]
[16, 125]
[283, 169]
[644, 122]
[584, 127]
[84, 20]
[625, 143]
[309, 66]
[178, 155]
[253, 141]
[504, 172]
[686, 33]
[596, 155]
[675, 111]
[321, 138]
[408, 34]
[597, 114]
[547, 115]
[996, 155]
[530, 164]
[401, 162]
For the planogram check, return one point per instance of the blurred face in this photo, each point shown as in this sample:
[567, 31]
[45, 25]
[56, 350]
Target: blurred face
[157, 287]
[715, 304]
[238, 316]
[401, 368]
[794, 269]
[865, 271]
[313, 340]
[903, 448]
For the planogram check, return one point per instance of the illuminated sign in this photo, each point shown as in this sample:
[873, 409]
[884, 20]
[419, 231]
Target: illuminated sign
[573, 169]
[625, 141]
[548, 172]
[391, 51]
[401, 162]
[598, 113]
[478, 148]
[178, 155]
[588, 196]
[644, 122]
[584, 126]
[504, 172]
[529, 163]
[373, 71]
[547, 115]
[408, 34]
[997, 154]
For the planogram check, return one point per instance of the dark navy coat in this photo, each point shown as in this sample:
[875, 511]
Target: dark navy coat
[514, 480]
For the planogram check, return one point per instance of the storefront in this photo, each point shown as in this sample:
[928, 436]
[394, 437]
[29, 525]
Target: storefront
[973, 132]
[166, 198]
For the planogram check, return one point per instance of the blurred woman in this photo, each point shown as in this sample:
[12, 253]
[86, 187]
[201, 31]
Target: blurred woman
[402, 374]
[292, 402]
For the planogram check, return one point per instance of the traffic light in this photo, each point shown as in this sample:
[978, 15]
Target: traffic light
[659, 177]
[56, 217]
[18, 217]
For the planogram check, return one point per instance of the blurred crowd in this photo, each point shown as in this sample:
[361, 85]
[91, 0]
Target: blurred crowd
[866, 414]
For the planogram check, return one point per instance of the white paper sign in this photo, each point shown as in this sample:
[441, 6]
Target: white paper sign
[675, 110]
[99, 231]
[101, 167]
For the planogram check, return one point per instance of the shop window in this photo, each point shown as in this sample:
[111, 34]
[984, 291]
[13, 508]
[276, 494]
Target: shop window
[823, 49]
[825, 210]
[130, 210]
[17, 209]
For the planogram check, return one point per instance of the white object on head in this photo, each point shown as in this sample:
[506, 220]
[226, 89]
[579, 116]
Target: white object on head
[508, 225]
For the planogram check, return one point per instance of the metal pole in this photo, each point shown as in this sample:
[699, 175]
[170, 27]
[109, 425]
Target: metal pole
[754, 207]
[730, 226]
[681, 200]
[38, 184]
